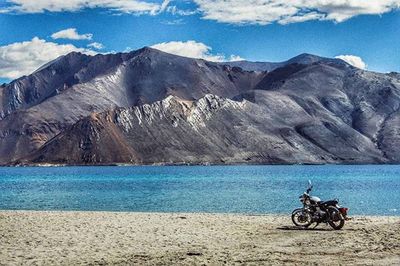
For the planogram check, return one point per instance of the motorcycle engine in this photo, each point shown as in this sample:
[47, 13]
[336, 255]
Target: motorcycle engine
[319, 214]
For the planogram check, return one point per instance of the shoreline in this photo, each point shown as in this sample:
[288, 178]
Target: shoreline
[355, 216]
[125, 238]
[50, 165]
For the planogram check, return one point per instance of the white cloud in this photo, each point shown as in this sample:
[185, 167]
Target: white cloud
[193, 49]
[234, 58]
[96, 45]
[353, 60]
[301, 18]
[71, 34]
[124, 6]
[173, 22]
[228, 11]
[282, 11]
[22, 58]
[174, 10]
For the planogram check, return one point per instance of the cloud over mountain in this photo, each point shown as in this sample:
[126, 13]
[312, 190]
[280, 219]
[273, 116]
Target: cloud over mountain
[22, 58]
[96, 45]
[193, 49]
[353, 60]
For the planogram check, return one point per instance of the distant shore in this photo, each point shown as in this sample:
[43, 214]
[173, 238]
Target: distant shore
[186, 164]
[121, 238]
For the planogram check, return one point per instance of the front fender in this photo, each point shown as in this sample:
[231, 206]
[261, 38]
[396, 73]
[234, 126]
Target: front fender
[300, 209]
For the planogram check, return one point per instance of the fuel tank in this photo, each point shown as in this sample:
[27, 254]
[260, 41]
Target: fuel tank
[314, 199]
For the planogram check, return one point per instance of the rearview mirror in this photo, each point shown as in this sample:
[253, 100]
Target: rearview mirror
[310, 186]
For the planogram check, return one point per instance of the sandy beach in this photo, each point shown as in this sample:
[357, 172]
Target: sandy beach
[107, 238]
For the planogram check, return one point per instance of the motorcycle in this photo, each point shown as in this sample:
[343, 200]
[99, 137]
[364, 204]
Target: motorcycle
[316, 211]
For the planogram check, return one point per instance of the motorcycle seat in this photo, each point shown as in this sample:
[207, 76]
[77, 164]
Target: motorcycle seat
[329, 202]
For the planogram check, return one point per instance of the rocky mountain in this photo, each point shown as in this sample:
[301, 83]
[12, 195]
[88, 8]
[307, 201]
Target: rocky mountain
[148, 107]
[304, 59]
[36, 108]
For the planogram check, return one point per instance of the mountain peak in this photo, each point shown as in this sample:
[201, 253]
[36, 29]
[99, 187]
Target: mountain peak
[305, 55]
[74, 53]
[305, 59]
[147, 50]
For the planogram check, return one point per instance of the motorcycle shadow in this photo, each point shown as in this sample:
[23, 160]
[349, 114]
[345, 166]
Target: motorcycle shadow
[296, 228]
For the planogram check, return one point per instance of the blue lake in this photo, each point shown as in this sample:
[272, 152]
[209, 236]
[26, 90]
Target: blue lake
[369, 189]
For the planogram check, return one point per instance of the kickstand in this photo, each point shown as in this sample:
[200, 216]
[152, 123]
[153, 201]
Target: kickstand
[316, 224]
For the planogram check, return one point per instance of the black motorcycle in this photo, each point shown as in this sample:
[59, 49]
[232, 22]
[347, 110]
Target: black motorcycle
[315, 211]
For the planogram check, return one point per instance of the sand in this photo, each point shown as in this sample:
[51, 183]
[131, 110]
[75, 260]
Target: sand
[106, 238]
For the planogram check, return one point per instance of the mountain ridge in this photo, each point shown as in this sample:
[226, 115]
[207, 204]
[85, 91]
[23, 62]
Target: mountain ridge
[303, 58]
[81, 109]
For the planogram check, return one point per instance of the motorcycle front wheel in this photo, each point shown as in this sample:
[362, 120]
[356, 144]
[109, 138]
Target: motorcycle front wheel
[336, 220]
[301, 218]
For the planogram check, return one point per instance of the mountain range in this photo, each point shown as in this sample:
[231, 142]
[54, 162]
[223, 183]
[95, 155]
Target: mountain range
[151, 107]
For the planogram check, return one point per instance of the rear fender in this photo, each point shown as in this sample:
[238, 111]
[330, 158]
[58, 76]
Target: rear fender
[335, 214]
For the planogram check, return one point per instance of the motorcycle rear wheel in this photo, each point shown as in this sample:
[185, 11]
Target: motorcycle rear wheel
[301, 218]
[336, 218]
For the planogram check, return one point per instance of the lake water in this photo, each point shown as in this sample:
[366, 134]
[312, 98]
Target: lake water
[369, 190]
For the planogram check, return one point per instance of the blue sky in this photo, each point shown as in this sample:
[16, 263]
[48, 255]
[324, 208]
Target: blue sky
[216, 30]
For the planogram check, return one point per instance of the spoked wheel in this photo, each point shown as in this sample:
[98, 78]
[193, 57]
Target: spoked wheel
[301, 218]
[336, 218]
